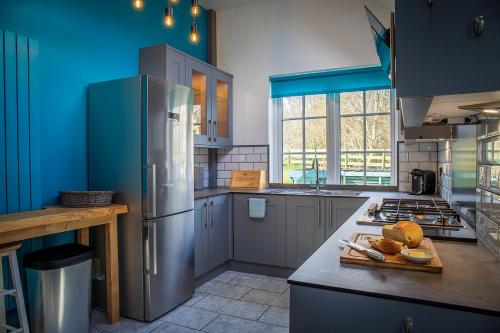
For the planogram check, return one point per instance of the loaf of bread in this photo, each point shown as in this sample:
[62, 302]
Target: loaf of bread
[406, 232]
[385, 245]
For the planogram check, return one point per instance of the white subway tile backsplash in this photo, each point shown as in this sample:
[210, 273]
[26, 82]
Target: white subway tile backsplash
[260, 150]
[405, 187]
[418, 156]
[263, 157]
[403, 157]
[428, 146]
[231, 166]
[220, 182]
[253, 158]
[246, 166]
[238, 158]
[220, 166]
[433, 156]
[260, 166]
[407, 166]
[428, 166]
[245, 150]
[224, 158]
[408, 147]
[404, 177]
[223, 174]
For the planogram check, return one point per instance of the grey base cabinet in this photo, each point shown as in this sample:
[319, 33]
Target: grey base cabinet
[260, 241]
[325, 311]
[305, 228]
[211, 233]
[338, 211]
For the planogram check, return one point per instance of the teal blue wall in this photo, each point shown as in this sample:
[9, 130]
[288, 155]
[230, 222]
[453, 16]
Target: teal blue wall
[84, 41]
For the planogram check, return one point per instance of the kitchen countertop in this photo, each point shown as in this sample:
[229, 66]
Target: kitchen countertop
[210, 192]
[470, 280]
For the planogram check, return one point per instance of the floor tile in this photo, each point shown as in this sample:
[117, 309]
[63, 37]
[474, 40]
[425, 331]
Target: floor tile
[232, 307]
[272, 298]
[225, 277]
[276, 316]
[195, 299]
[189, 317]
[257, 282]
[223, 289]
[125, 325]
[227, 324]
[172, 328]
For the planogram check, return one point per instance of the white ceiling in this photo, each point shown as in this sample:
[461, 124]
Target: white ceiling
[224, 4]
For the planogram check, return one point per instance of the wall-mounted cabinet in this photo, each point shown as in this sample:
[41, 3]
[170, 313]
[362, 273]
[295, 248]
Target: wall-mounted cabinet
[212, 92]
[438, 52]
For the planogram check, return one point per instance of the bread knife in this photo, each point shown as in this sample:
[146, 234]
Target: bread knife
[369, 252]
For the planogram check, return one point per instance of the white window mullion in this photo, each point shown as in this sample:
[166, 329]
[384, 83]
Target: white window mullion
[334, 138]
[276, 148]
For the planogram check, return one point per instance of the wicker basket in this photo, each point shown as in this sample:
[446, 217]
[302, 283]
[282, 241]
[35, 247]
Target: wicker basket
[80, 199]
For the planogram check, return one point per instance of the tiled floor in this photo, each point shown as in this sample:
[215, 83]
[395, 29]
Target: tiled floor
[232, 302]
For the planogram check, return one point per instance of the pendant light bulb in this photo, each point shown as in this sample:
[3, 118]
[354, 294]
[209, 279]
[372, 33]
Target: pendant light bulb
[138, 4]
[169, 17]
[175, 2]
[195, 8]
[194, 36]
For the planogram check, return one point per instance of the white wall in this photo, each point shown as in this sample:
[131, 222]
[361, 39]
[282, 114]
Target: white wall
[274, 37]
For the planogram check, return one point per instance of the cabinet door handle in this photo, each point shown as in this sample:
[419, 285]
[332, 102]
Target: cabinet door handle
[212, 213]
[209, 130]
[205, 214]
[319, 213]
[214, 132]
[330, 208]
[408, 325]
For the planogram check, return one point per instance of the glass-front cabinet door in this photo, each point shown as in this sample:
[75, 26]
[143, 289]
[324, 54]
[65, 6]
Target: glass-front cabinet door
[198, 77]
[222, 108]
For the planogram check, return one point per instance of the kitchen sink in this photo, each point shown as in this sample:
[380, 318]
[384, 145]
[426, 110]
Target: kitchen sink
[314, 192]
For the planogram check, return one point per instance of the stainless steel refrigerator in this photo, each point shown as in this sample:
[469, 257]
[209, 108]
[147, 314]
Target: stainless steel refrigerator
[140, 145]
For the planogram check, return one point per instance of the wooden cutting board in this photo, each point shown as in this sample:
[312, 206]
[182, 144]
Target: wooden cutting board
[351, 256]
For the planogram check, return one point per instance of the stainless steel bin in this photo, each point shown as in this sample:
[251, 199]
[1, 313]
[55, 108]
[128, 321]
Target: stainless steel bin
[59, 280]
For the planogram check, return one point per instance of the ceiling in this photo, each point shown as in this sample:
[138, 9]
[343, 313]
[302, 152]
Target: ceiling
[224, 4]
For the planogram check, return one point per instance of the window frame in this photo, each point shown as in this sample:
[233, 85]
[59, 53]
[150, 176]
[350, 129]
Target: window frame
[303, 118]
[333, 132]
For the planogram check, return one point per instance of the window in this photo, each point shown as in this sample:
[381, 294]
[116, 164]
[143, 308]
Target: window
[304, 138]
[350, 133]
[365, 136]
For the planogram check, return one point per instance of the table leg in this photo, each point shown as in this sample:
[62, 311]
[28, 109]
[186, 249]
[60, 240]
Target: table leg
[112, 280]
[2, 300]
[82, 236]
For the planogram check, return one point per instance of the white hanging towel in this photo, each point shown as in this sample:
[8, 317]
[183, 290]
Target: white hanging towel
[257, 208]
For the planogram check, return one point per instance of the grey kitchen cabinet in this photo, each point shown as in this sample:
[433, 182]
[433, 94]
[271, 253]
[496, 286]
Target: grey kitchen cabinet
[338, 211]
[200, 237]
[325, 311]
[163, 61]
[212, 91]
[260, 241]
[211, 233]
[199, 78]
[437, 51]
[305, 228]
[218, 231]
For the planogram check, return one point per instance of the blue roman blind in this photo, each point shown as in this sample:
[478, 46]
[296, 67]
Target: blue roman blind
[329, 81]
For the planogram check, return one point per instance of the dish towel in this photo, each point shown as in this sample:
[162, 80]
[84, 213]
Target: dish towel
[257, 208]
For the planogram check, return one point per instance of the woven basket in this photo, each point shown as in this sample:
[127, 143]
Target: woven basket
[80, 199]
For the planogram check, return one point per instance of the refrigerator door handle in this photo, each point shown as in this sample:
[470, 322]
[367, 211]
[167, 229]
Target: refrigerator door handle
[155, 254]
[209, 130]
[151, 169]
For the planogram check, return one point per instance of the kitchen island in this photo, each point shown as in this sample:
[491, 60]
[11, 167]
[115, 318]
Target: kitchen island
[328, 296]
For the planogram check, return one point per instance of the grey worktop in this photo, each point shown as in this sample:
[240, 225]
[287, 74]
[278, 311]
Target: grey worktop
[470, 278]
[210, 192]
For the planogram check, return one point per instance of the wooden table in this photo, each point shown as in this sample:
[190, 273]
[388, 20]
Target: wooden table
[52, 220]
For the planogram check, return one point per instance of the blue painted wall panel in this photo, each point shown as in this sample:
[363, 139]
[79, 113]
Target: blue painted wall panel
[34, 120]
[3, 171]
[84, 41]
[23, 124]
[11, 148]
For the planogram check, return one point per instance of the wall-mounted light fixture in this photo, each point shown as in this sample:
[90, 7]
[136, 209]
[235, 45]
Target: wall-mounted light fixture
[195, 8]
[137, 4]
[169, 16]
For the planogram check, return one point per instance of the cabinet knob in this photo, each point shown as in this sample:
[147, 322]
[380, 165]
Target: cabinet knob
[479, 25]
[408, 325]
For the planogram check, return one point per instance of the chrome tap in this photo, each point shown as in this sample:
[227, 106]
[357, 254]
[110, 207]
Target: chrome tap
[315, 166]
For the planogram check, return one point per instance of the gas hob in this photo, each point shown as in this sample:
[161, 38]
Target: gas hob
[436, 217]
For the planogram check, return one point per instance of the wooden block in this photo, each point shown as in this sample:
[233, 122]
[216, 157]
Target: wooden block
[255, 180]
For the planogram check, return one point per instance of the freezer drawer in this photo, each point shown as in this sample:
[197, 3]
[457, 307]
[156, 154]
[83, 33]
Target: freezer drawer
[169, 263]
